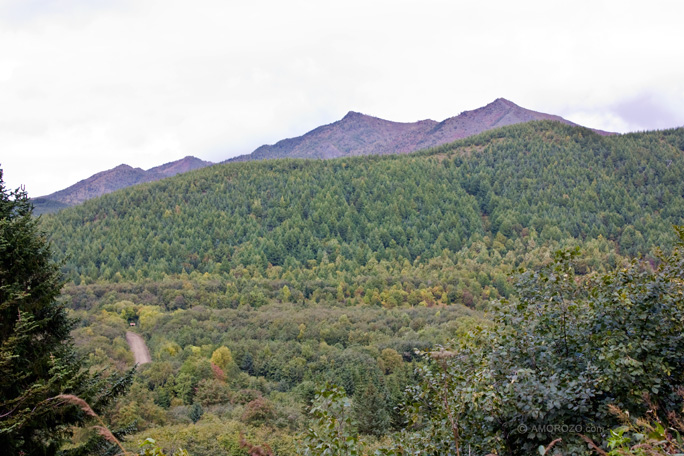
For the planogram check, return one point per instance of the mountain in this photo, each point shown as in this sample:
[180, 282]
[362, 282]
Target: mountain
[498, 113]
[355, 134]
[544, 180]
[111, 180]
[359, 134]
[183, 165]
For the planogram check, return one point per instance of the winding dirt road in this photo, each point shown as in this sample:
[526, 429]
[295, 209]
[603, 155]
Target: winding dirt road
[138, 347]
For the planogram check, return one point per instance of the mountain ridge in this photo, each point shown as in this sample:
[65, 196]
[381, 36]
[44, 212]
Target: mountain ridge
[541, 180]
[354, 135]
[113, 179]
[361, 134]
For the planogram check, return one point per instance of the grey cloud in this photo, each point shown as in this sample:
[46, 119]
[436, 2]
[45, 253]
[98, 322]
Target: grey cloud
[648, 111]
[104, 82]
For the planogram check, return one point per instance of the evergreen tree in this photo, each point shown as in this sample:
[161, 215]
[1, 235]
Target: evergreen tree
[370, 410]
[37, 363]
[196, 412]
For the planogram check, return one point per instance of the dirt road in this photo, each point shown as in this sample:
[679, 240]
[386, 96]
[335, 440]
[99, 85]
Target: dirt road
[138, 347]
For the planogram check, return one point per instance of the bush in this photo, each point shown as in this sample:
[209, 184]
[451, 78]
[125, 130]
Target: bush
[559, 356]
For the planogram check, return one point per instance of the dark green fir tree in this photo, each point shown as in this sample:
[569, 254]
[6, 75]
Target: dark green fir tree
[370, 410]
[37, 361]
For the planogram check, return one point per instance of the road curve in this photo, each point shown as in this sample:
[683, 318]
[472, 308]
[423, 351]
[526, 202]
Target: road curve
[138, 347]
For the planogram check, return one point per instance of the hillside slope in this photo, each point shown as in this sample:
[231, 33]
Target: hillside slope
[253, 283]
[111, 180]
[499, 113]
[356, 134]
[359, 134]
[541, 180]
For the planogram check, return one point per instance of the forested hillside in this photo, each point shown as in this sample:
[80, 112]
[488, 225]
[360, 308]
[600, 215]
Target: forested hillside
[542, 180]
[255, 283]
[354, 135]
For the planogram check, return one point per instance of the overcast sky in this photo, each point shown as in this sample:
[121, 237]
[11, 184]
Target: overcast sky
[86, 85]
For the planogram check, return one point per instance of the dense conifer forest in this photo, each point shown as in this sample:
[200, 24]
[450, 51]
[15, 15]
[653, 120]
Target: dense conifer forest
[255, 284]
[542, 180]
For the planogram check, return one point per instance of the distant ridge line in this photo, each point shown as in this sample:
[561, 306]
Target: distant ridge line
[361, 134]
[355, 134]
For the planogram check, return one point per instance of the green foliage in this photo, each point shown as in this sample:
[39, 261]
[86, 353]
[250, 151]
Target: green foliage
[37, 361]
[644, 436]
[212, 436]
[333, 432]
[549, 181]
[370, 409]
[558, 358]
[308, 272]
[149, 447]
[391, 360]
[196, 412]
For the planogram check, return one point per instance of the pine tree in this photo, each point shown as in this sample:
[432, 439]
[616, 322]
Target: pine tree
[370, 410]
[37, 362]
[196, 412]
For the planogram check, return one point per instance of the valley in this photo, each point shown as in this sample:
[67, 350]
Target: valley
[319, 229]
[255, 284]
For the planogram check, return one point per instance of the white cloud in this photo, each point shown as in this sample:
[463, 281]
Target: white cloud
[86, 85]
